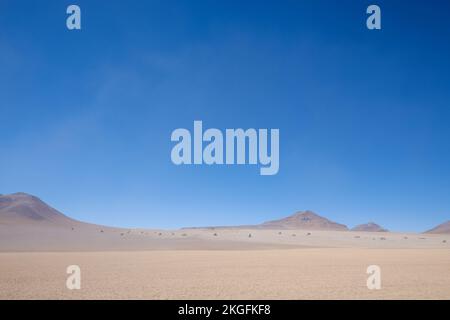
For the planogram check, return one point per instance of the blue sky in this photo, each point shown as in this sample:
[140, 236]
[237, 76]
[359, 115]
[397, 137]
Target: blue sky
[86, 116]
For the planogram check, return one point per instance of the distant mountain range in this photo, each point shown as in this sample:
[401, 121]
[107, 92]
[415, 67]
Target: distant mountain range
[369, 227]
[307, 220]
[442, 228]
[25, 209]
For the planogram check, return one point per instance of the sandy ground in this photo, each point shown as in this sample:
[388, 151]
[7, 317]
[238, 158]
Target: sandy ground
[97, 238]
[308, 273]
[220, 263]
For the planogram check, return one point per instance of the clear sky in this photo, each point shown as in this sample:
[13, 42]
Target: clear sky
[364, 116]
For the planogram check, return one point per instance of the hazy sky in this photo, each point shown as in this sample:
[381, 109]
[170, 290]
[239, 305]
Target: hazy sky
[364, 116]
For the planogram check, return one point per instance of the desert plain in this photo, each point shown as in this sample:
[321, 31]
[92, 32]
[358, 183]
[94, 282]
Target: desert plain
[248, 262]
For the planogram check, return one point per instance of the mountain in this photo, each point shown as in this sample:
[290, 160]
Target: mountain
[369, 227]
[307, 220]
[25, 209]
[442, 228]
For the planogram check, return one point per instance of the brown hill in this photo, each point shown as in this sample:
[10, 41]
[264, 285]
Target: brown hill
[304, 220]
[369, 227]
[442, 228]
[25, 209]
